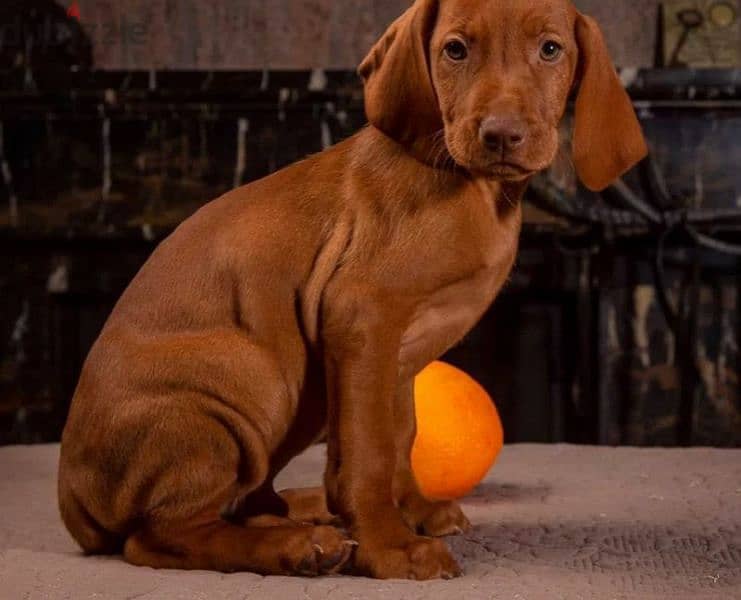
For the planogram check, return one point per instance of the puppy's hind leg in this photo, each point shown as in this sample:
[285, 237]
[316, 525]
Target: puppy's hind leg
[215, 544]
[183, 526]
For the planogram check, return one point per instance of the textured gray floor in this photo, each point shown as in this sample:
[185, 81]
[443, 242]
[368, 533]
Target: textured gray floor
[550, 522]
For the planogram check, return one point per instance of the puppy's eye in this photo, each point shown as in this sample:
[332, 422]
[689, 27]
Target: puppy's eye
[550, 51]
[456, 50]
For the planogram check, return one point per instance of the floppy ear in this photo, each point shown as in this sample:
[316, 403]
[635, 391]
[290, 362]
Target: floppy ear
[400, 99]
[607, 135]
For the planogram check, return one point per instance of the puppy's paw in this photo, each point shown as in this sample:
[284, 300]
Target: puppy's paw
[445, 518]
[436, 519]
[416, 558]
[319, 550]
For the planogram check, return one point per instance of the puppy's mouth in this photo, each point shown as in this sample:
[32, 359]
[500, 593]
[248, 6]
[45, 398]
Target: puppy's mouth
[509, 171]
[501, 171]
[500, 166]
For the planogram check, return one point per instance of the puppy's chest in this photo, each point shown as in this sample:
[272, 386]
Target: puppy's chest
[442, 318]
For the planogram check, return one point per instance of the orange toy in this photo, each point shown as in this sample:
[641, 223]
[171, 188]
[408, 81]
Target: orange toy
[459, 433]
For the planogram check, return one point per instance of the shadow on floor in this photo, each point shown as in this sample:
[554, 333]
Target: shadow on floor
[491, 493]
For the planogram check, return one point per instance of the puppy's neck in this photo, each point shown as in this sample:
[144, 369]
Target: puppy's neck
[393, 165]
[396, 169]
[505, 197]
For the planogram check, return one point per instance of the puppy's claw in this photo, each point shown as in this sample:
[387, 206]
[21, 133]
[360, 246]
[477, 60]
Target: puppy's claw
[334, 564]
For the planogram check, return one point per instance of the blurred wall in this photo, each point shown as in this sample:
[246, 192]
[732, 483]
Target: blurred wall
[293, 34]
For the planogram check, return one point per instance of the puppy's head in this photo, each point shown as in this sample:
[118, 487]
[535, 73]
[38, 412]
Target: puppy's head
[487, 81]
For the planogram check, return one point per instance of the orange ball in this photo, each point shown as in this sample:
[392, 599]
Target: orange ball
[459, 433]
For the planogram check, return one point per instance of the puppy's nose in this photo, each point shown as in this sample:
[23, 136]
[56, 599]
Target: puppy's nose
[502, 133]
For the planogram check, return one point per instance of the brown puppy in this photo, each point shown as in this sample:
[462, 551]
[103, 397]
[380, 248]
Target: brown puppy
[309, 300]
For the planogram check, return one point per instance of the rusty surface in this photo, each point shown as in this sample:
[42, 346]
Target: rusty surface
[294, 34]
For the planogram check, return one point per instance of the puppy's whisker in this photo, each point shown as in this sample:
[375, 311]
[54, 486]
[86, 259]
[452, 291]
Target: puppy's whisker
[507, 198]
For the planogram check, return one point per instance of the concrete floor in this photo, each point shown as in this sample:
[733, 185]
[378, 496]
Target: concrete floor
[550, 522]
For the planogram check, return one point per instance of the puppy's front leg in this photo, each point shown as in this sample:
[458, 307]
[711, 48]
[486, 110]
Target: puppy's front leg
[361, 348]
[431, 518]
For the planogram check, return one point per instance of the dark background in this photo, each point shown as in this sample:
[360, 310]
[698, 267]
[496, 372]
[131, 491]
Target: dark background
[620, 323]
